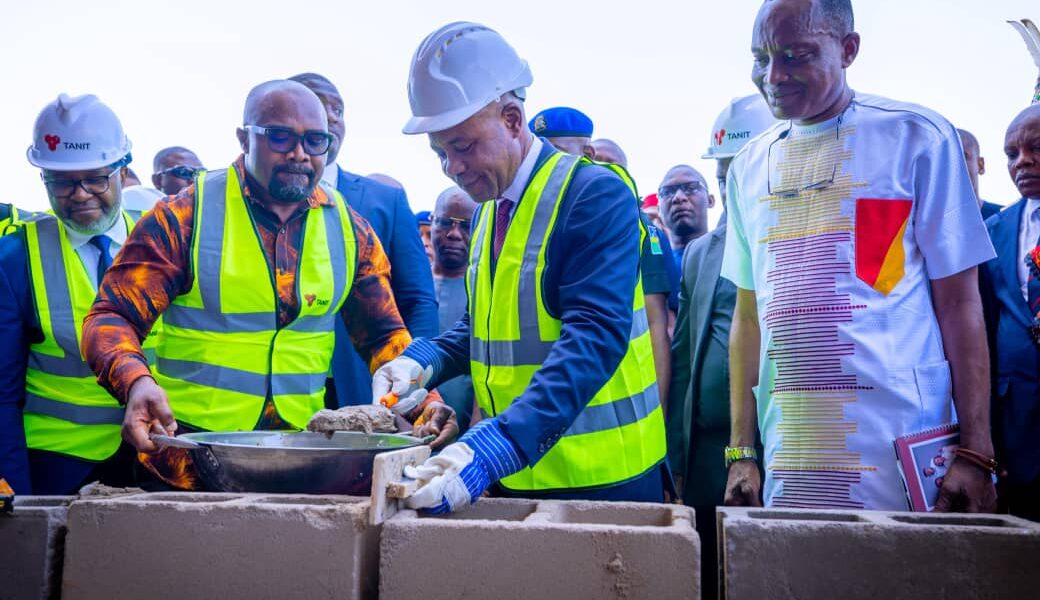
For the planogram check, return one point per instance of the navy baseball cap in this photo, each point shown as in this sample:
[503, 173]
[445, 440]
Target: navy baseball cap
[561, 121]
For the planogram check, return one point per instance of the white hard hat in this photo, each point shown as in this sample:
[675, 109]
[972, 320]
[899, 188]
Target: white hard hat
[77, 134]
[458, 70]
[742, 120]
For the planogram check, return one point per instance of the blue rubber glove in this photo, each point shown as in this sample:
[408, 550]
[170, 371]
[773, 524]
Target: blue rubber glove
[458, 476]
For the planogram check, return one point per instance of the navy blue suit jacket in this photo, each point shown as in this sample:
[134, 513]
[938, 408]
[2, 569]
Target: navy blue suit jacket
[386, 209]
[1014, 356]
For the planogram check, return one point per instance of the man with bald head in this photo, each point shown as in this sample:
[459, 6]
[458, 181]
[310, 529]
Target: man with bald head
[976, 166]
[1011, 296]
[685, 201]
[174, 168]
[450, 225]
[854, 238]
[249, 267]
[607, 151]
[382, 202]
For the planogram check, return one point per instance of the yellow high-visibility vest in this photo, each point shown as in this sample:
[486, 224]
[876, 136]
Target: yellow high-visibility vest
[620, 433]
[65, 411]
[220, 352]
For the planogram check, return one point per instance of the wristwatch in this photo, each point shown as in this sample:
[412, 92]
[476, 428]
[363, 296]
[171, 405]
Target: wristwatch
[739, 453]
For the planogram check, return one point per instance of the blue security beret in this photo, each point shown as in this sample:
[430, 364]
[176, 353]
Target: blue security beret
[423, 217]
[561, 121]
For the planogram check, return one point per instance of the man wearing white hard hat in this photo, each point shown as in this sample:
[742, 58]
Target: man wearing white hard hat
[555, 337]
[58, 428]
[698, 405]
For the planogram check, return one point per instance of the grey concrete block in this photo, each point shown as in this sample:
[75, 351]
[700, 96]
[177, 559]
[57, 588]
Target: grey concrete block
[32, 539]
[852, 555]
[502, 549]
[209, 545]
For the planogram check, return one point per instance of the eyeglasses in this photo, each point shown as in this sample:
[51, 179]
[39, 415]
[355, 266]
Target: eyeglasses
[447, 223]
[283, 139]
[689, 188]
[62, 188]
[181, 172]
[814, 186]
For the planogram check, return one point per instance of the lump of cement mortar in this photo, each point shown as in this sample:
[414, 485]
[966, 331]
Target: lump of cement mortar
[97, 489]
[369, 418]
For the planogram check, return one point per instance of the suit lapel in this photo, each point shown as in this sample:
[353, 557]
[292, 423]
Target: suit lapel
[703, 296]
[349, 185]
[1005, 241]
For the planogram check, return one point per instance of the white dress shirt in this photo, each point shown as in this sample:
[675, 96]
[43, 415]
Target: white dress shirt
[89, 253]
[523, 175]
[1028, 234]
[331, 175]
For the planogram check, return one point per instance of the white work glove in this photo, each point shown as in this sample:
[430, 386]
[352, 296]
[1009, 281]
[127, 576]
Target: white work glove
[404, 378]
[458, 476]
[439, 479]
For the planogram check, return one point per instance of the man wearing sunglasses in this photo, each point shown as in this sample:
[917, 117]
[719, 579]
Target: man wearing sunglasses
[58, 428]
[386, 209]
[450, 235]
[250, 268]
[853, 239]
[685, 201]
[174, 169]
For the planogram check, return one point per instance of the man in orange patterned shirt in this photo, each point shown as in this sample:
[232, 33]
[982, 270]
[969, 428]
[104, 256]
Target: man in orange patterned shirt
[226, 358]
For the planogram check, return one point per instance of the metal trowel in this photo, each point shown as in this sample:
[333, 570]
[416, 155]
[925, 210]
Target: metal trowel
[389, 485]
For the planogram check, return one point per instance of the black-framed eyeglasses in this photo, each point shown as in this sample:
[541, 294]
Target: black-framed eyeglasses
[283, 139]
[446, 223]
[181, 172]
[97, 184]
[820, 184]
[689, 188]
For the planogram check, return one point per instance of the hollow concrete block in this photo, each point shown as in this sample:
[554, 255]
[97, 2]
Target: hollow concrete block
[502, 548]
[853, 555]
[32, 538]
[211, 545]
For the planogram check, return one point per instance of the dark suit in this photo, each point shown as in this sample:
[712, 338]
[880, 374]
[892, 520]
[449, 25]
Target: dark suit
[386, 209]
[989, 209]
[1015, 358]
[698, 406]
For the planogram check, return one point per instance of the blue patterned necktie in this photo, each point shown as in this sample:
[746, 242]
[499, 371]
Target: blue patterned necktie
[102, 243]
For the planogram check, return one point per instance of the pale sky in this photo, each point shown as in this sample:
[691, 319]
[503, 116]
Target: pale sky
[653, 75]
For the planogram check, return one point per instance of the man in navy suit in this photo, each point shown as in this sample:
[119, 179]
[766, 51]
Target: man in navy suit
[386, 209]
[1011, 297]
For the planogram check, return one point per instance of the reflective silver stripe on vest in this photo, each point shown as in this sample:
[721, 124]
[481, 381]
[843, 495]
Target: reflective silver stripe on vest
[618, 413]
[530, 349]
[59, 298]
[75, 413]
[237, 380]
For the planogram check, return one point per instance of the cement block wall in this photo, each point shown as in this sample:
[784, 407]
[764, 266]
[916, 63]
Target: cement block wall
[528, 549]
[853, 555]
[32, 539]
[204, 545]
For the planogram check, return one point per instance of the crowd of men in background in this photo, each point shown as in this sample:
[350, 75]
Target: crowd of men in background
[916, 309]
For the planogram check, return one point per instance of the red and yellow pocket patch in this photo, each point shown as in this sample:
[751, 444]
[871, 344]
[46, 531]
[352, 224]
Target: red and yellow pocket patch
[880, 226]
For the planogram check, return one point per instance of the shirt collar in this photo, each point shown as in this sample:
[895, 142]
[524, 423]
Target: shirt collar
[331, 175]
[116, 233]
[317, 199]
[523, 174]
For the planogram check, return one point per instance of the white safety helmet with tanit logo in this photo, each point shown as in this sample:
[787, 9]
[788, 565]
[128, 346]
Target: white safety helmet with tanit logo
[458, 70]
[77, 133]
[742, 120]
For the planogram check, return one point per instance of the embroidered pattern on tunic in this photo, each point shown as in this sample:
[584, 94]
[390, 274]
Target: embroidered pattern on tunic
[810, 388]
